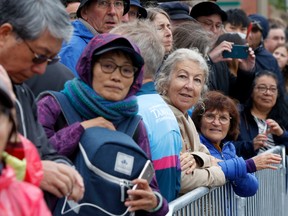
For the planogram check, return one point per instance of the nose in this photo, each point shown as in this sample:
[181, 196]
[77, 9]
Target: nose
[189, 84]
[168, 32]
[39, 68]
[116, 75]
[111, 9]
[216, 121]
[125, 18]
[214, 29]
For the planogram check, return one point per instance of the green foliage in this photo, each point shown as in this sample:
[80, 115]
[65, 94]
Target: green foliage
[279, 4]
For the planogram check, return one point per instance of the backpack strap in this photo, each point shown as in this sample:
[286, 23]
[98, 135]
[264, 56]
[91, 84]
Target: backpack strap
[69, 112]
[130, 125]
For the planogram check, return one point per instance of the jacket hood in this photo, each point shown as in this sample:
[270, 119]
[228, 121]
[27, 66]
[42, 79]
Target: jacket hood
[103, 43]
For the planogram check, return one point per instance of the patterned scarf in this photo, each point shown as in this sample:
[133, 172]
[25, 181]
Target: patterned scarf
[91, 105]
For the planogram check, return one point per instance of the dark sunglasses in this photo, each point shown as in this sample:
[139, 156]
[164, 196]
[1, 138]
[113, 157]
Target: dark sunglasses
[40, 59]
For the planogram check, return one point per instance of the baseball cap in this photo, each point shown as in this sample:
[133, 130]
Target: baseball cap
[207, 9]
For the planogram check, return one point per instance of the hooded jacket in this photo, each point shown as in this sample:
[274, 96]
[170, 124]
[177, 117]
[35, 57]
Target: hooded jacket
[71, 52]
[66, 139]
[244, 184]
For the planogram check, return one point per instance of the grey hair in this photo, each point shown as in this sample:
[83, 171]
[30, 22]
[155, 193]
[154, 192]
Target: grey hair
[163, 78]
[192, 35]
[144, 35]
[152, 12]
[31, 18]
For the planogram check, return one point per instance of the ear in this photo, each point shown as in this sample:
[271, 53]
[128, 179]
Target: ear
[6, 30]
[84, 13]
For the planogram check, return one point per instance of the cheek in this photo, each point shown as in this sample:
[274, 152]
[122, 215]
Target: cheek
[128, 83]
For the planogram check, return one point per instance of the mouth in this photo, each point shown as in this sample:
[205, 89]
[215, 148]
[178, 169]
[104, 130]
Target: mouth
[110, 23]
[185, 95]
[266, 100]
[213, 130]
[114, 88]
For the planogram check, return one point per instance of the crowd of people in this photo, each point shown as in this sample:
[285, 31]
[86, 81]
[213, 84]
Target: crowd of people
[205, 119]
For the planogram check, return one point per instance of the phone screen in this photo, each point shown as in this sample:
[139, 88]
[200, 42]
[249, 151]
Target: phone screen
[238, 51]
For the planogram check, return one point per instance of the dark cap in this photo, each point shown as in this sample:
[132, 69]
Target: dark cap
[176, 10]
[260, 22]
[123, 45]
[84, 2]
[101, 44]
[207, 9]
[142, 11]
[5, 97]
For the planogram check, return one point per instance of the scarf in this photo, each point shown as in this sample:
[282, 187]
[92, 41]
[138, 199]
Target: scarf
[91, 105]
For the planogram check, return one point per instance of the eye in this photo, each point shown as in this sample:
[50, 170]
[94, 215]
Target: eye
[103, 3]
[128, 70]
[118, 4]
[223, 118]
[182, 76]
[198, 81]
[108, 66]
[159, 28]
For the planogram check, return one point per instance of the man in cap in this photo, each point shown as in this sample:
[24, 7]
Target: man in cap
[177, 11]
[136, 11]
[26, 50]
[94, 17]
[264, 59]
[210, 16]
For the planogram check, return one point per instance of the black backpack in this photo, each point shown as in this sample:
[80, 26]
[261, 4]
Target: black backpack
[108, 161]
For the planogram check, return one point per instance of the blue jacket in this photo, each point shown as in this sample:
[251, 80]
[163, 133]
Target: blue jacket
[71, 52]
[244, 184]
[248, 131]
[164, 138]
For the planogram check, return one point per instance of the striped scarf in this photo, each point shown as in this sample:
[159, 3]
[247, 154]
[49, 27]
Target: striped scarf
[91, 105]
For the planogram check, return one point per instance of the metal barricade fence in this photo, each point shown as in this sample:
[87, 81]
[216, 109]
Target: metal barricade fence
[270, 199]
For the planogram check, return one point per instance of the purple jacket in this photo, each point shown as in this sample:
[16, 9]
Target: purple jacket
[65, 138]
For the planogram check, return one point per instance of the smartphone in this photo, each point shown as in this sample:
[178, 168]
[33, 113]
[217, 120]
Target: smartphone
[146, 173]
[238, 51]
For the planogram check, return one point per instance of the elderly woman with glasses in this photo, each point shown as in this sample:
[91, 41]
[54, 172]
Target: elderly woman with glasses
[181, 81]
[217, 121]
[264, 121]
[110, 71]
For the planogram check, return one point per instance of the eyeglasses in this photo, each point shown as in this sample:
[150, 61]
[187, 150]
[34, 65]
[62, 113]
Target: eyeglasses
[264, 89]
[134, 14]
[39, 59]
[211, 24]
[209, 117]
[73, 16]
[127, 71]
[105, 4]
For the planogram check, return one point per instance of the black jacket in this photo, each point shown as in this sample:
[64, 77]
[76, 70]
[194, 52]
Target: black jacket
[248, 131]
[29, 126]
[221, 79]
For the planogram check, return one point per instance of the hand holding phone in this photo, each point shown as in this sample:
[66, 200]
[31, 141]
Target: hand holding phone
[146, 173]
[238, 51]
